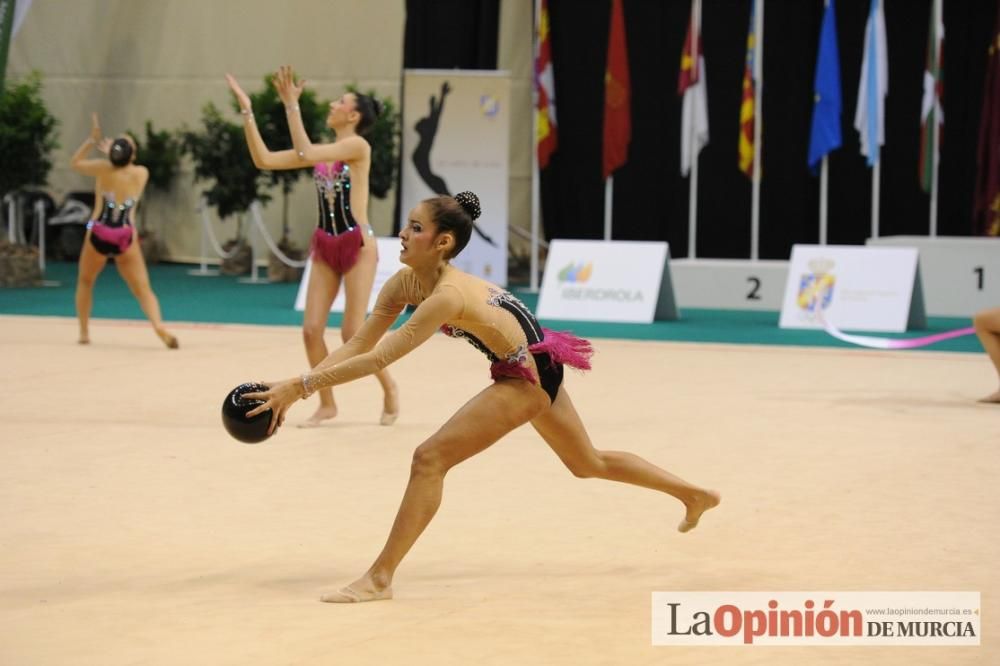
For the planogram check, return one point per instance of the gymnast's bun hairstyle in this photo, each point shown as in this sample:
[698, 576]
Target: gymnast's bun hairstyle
[455, 215]
[470, 203]
[370, 109]
[120, 152]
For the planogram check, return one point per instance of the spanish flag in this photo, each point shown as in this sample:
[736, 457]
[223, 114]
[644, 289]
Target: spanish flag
[747, 106]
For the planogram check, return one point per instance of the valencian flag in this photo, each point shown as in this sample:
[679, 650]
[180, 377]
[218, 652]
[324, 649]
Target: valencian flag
[617, 93]
[869, 115]
[930, 108]
[694, 109]
[545, 114]
[986, 208]
[747, 106]
[827, 103]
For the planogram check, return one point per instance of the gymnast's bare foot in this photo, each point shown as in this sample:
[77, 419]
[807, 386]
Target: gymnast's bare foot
[84, 338]
[169, 340]
[390, 407]
[993, 397]
[704, 501]
[363, 589]
[323, 413]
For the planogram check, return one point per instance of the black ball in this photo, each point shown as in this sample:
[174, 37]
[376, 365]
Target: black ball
[248, 430]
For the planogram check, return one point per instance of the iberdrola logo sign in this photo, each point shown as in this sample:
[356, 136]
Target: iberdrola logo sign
[576, 272]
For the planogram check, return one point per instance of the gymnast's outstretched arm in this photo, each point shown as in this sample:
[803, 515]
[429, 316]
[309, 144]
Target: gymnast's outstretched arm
[350, 149]
[360, 357]
[263, 158]
[91, 167]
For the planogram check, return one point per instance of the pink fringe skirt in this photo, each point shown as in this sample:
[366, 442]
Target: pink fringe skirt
[110, 240]
[562, 348]
[338, 251]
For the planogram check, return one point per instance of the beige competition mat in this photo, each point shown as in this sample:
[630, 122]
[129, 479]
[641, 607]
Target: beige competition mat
[134, 531]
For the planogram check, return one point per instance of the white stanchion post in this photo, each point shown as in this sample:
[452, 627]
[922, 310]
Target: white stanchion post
[252, 239]
[204, 270]
[40, 230]
[41, 222]
[11, 218]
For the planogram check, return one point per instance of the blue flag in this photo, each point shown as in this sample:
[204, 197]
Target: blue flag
[825, 135]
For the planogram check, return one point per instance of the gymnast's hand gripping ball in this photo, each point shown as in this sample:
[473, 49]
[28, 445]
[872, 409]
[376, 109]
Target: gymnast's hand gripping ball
[249, 430]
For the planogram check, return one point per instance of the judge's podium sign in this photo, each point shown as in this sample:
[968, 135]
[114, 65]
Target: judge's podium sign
[853, 287]
[614, 281]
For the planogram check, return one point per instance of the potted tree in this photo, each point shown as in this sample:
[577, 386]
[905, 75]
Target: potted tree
[160, 152]
[221, 158]
[27, 137]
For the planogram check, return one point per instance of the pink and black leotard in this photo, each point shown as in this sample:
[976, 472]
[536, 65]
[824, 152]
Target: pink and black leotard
[111, 234]
[337, 240]
[463, 306]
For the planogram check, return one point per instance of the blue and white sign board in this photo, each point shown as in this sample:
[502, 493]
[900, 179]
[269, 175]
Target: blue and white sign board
[388, 265]
[853, 287]
[617, 281]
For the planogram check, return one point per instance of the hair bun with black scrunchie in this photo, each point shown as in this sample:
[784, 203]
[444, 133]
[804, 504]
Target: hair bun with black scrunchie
[470, 204]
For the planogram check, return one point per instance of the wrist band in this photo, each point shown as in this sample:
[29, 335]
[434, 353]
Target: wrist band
[306, 389]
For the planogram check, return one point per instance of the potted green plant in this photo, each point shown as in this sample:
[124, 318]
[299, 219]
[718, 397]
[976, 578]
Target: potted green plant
[160, 152]
[27, 137]
[221, 158]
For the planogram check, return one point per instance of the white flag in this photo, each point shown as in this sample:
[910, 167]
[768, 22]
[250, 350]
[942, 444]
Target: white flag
[869, 115]
[694, 119]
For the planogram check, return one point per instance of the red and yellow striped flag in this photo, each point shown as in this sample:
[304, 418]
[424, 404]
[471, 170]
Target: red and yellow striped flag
[747, 109]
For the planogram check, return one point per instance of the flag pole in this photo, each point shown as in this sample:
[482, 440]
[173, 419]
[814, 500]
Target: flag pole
[693, 182]
[823, 185]
[758, 65]
[535, 226]
[693, 205]
[823, 201]
[935, 159]
[535, 175]
[876, 181]
[609, 188]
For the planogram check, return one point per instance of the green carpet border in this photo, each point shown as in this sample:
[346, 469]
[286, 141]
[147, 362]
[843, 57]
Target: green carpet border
[224, 299]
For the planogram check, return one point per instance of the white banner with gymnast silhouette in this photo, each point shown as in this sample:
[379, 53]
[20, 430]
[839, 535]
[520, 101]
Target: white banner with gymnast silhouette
[455, 137]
